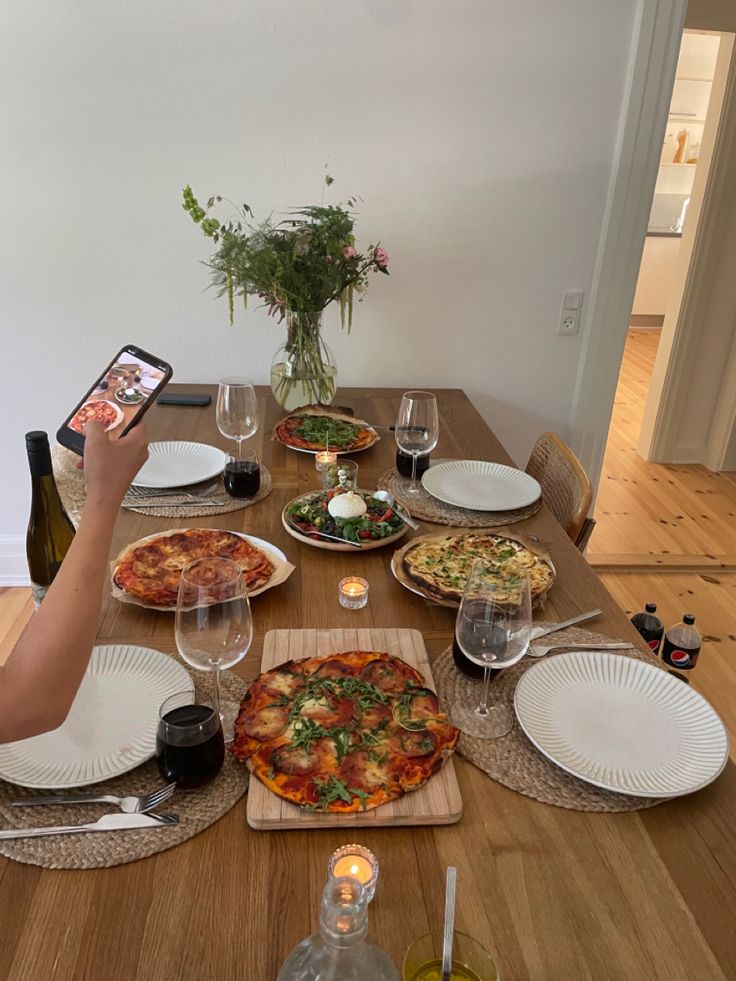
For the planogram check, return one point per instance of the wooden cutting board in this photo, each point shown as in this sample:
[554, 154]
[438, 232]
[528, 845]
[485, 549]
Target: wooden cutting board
[437, 802]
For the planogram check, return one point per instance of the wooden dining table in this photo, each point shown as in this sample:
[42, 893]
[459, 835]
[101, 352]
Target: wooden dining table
[552, 893]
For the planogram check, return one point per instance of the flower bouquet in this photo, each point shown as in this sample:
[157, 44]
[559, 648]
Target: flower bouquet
[296, 266]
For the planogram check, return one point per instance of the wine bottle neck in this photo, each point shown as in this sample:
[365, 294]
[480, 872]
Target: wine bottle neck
[39, 454]
[43, 488]
[344, 915]
[46, 503]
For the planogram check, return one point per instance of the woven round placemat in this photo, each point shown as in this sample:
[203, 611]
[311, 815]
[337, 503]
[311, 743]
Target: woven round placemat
[428, 508]
[183, 508]
[70, 482]
[197, 810]
[513, 760]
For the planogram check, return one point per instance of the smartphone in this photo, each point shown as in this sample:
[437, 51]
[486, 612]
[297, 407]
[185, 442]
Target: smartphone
[119, 398]
[182, 398]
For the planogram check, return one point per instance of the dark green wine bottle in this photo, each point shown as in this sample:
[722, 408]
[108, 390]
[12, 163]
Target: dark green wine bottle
[50, 530]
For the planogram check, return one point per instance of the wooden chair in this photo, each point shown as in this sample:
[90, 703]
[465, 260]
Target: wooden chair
[566, 489]
[585, 532]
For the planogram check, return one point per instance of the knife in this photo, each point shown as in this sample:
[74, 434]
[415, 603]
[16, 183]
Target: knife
[538, 632]
[108, 822]
[174, 504]
[334, 538]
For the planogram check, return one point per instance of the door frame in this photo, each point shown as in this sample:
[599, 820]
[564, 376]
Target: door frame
[650, 79]
[700, 294]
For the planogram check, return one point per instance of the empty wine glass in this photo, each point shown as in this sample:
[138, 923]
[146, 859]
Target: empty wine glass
[417, 429]
[237, 409]
[214, 626]
[493, 629]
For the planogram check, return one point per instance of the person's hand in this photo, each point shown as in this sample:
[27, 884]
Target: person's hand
[110, 464]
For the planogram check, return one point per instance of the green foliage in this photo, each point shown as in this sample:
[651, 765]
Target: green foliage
[302, 263]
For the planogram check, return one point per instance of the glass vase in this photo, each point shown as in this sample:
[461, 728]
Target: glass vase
[303, 370]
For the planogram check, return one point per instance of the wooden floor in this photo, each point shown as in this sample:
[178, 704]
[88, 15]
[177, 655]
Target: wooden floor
[667, 534]
[650, 515]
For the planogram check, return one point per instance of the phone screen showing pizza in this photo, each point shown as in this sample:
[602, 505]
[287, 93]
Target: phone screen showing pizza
[119, 395]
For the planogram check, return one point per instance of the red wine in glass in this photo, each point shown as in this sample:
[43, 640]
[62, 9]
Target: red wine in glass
[468, 667]
[190, 747]
[242, 478]
[403, 463]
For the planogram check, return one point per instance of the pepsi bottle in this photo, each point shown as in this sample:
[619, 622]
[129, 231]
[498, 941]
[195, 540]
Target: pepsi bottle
[682, 644]
[650, 627]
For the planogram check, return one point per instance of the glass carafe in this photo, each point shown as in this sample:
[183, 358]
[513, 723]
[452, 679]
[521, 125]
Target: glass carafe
[340, 951]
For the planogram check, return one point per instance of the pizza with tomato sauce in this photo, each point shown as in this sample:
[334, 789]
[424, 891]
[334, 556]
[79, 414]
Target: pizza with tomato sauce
[315, 427]
[342, 733]
[106, 413]
[149, 570]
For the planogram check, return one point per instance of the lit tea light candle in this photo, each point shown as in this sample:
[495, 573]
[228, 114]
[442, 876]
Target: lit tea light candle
[324, 458]
[357, 863]
[352, 592]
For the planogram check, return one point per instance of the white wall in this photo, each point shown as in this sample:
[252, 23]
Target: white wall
[480, 134]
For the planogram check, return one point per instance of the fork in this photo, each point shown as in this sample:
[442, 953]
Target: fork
[136, 493]
[539, 650]
[129, 805]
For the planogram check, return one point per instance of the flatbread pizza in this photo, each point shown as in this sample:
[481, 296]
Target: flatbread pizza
[312, 428]
[148, 571]
[342, 733]
[438, 566]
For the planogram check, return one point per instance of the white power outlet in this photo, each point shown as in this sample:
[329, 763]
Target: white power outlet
[572, 302]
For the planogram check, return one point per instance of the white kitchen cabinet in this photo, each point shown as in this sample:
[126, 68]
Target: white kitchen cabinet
[656, 275]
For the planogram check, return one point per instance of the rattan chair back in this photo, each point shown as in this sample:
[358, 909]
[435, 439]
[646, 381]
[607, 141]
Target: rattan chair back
[566, 490]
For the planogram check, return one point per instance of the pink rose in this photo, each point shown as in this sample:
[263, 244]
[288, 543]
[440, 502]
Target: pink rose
[380, 257]
[349, 252]
[276, 306]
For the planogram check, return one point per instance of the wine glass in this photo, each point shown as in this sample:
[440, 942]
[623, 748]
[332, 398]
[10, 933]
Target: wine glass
[417, 429]
[493, 629]
[190, 749]
[214, 626]
[237, 409]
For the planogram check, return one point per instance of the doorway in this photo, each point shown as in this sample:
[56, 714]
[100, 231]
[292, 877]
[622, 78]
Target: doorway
[692, 120]
[703, 69]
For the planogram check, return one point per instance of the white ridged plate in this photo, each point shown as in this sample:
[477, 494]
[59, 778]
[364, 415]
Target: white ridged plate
[481, 486]
[621, 724]
[176, 463]
[111, 727]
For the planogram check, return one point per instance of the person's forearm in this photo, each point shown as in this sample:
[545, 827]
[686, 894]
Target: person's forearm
[40, 679]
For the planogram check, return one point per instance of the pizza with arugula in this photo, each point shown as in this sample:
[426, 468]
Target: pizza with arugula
[342, 733]
[312, 428]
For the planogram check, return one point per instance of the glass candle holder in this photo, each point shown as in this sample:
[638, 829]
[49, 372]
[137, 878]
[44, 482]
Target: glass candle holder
[356, 862]
[352, 592]
[343, 474]
[324, 458]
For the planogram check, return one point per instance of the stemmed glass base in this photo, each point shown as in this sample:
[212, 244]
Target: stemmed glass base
[413, 487]
[228, 708]
[490, 722]
[228, 714]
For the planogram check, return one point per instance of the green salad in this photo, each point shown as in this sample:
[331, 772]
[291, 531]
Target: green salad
[311, 517]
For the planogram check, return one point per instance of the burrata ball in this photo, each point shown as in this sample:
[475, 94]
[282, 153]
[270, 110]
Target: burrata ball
[347, 505]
